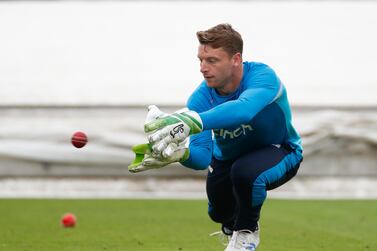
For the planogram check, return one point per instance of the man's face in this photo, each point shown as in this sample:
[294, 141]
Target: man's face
[216, 66]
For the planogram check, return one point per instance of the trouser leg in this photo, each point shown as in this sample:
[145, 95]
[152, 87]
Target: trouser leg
[221, 201]
[255, 173]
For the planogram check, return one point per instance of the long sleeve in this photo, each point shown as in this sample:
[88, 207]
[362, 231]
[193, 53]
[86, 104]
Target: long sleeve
[201, 145]
[259, 91]
[200, 151]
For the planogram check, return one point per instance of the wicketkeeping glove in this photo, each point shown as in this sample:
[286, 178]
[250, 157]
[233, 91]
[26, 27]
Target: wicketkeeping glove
[145, 159]
[174, 128]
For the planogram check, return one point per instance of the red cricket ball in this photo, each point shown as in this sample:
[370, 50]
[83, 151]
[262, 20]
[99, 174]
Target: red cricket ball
[79, 139]
[68, 220]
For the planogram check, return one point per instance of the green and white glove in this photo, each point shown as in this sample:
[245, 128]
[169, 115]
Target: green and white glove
[145, 159]
[175, 128]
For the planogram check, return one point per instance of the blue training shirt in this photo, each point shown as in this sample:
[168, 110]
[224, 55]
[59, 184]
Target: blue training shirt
[256, 115]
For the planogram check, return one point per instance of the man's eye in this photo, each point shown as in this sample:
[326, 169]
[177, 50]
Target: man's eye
[212, 60]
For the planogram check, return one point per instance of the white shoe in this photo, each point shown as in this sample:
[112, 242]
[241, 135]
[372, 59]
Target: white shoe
[243, 240]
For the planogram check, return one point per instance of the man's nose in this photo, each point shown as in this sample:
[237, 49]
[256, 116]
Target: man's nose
[203, 67]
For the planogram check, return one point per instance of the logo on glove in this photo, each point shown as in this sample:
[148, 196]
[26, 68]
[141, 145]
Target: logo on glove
[178, 129]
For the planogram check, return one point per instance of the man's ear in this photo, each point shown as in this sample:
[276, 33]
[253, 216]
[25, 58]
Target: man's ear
[237, 59]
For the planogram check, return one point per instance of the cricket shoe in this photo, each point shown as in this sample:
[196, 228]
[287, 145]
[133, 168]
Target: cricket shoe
[243, 240]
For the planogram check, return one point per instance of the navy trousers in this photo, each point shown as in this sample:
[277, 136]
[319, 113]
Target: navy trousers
[236, 189]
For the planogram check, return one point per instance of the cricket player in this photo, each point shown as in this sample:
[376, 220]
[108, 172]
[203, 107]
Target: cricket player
[238, 125]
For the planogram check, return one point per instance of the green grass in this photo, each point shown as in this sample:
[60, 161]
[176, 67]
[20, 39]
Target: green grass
[174, 225]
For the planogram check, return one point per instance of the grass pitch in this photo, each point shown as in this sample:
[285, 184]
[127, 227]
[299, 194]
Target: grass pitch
[181, 225]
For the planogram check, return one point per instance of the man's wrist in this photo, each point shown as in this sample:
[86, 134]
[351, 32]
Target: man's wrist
[192, 120]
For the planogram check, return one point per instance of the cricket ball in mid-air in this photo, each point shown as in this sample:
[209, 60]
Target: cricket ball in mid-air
[68, 220]
[79, 139]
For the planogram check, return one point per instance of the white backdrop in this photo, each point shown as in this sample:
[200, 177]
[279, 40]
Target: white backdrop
[131, 52]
